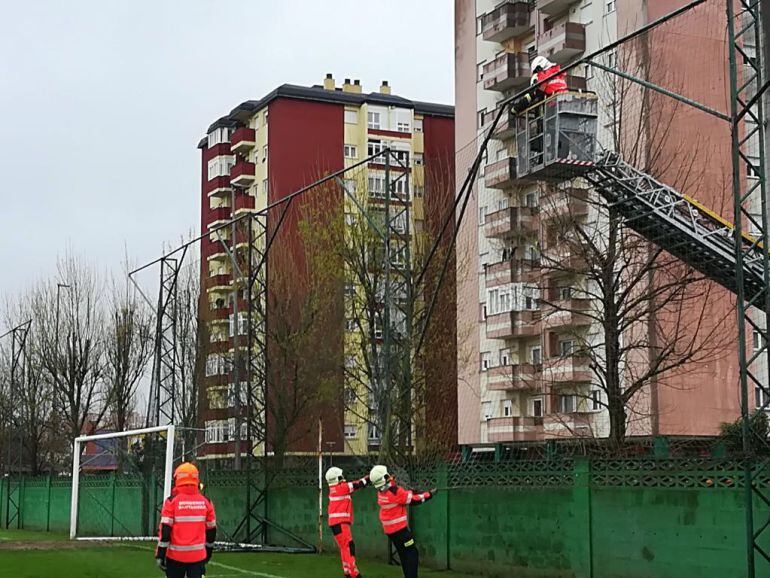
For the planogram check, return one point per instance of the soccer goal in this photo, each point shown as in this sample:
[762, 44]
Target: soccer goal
[119, 482]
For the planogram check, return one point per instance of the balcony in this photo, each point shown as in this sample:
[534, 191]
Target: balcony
[563, 42]
[571, 369]
[513, 325]
[218, 186]
[242, 174]
[501, 174]
[562, 425]
[552, 7]
[244, 204]
[219, 214]
[243, 140]
[508, 20]
[218, 283]
[523, 376]
[571, 203]
[219, 314]
[507, 71]
[561, 258]
[511, 271]
[515, 429]
[506, 128]
[511, 222]
[567, 313]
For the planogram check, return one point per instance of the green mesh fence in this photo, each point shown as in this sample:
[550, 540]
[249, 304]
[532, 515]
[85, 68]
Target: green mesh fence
[570, 517]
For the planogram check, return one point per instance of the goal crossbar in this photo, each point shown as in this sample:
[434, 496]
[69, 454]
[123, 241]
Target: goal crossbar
[167, 473]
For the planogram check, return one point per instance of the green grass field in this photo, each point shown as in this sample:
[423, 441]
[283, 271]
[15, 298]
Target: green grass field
[40, 555]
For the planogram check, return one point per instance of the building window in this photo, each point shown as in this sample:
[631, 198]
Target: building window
[486, 360]
[216, 364]
[530, 200]
[217, 398]
[217, 431]
[265, 187]
[350, 289]
[537, 408]
[479, 72]
[481, 119]
[761, 397]
[351, 152]
[350, 325]
[566, 347]
[596, 400]
[609, 6]
[351, 431]
[419, 160]
[350, 219]
[373, 120]
[217, 136]
[264, 154]
[486, 410]
[351, 117]
[220, 166]
[418, 125]
[264, 118]
[567, 403]
[479, 26]
[536, 355]
[374, 433]
[419, 192]
[565, 293]
[482, 214]
[507, 408]
[375, 147]
[757, 340]
[402, 127]
[243, 324]
[505, 357]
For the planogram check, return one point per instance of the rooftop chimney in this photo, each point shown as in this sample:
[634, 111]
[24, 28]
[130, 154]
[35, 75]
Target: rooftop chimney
[355, 87]
[385, 88]
[329, 82]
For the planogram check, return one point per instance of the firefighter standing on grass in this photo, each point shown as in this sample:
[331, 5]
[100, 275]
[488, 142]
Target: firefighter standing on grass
[188, 528]
[341, 517]
[394, 501]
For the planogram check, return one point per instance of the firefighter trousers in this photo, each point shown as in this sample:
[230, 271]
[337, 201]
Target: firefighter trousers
[407, 552]
[344, 538]
[176, 569]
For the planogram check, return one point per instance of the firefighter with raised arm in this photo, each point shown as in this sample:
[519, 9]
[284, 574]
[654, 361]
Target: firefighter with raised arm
[188, 527]
[394, 501]
[341, 517]
[554, 81]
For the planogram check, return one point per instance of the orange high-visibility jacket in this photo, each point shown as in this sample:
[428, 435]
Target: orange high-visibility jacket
[393, 503]
[340, 509]
[557, 82]
[189, 514]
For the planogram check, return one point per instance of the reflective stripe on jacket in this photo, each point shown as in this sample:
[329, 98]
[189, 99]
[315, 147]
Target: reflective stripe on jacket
[557, 81]
[393, 502]
[189, 514]
[340, 510]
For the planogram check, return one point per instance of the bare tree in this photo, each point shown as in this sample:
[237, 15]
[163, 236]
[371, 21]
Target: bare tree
[637, 317]
[70, 345]
[127, 350]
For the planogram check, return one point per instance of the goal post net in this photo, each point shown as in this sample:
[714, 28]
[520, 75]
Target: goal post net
[119, 482]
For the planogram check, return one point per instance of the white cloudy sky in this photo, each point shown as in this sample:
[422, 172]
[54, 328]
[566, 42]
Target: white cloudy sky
[102, 104]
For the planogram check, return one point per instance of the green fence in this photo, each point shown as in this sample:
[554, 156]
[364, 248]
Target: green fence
[577, 518]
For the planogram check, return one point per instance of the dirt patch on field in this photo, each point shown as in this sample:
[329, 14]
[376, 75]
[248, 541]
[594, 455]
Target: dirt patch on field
[49, 544]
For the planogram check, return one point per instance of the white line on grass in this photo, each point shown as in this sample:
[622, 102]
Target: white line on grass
[242, 571]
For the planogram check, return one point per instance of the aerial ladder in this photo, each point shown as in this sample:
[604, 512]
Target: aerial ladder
[556, 141]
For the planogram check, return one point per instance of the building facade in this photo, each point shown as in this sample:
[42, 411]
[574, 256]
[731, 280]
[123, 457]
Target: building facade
[521, 375]
[253, 158]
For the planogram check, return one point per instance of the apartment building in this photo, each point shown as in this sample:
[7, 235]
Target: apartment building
[521, 377]
[266, 149]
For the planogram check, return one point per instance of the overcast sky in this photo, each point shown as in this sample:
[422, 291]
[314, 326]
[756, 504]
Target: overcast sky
[103, 102]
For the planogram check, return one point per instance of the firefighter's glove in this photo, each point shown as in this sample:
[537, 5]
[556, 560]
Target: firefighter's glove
[161, 562]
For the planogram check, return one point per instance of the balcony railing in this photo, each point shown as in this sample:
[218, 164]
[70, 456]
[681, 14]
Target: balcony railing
[243, 140]
[511, 271]
[563, 42]
[509, 20]
[244, 203]
[218, 186]
[219, 214]
[511, 222]
[218, 282]
[513, 429]
[567, 313]
[509, 70]
[501, 174]
[552, 7]
[243, 174]
[571, 369]
[566, 204]
[513, 324]
[514, 377]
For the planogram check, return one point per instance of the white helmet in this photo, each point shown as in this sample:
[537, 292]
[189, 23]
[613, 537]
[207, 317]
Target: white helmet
[540, 63]
[334, 476]
[379, 476]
